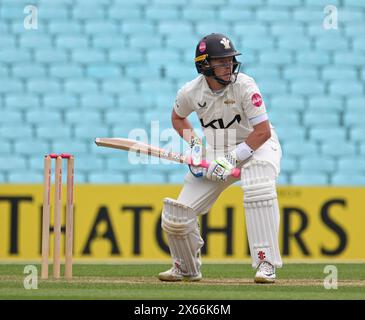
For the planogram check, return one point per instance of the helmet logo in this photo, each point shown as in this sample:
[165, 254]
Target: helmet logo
[202, 46]
[226, 44]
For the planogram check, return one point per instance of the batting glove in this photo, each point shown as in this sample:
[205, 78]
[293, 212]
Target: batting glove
[195, 154]
[220, 169]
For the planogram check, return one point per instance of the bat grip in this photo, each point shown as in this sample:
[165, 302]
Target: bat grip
[235, 171]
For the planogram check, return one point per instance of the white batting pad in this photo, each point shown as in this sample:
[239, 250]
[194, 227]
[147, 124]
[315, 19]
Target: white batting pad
[181, 225]
[262, 212]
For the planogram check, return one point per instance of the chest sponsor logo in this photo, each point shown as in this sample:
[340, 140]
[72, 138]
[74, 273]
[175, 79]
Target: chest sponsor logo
[229, 101]
[219, 124]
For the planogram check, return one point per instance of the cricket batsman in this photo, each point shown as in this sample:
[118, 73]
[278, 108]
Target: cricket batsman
[238, 133]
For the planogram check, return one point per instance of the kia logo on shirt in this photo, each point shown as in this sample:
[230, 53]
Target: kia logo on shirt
[220, 123]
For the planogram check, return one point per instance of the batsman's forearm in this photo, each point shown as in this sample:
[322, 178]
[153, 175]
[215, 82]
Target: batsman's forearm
[183, 128]
[256, 139]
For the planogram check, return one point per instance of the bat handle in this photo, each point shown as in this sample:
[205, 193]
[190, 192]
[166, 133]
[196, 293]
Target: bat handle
[235, 171]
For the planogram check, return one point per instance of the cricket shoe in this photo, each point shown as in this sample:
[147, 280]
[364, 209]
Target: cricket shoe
[265, 273]
[175, 274]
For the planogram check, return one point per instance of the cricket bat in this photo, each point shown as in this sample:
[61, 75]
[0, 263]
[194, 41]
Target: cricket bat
[144, 148]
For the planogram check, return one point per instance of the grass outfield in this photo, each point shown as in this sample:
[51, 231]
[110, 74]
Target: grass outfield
[220, 282]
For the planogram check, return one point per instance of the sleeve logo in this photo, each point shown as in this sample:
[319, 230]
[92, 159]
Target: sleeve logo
[256, 100]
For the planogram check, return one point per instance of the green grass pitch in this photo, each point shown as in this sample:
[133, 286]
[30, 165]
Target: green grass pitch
[220, 282]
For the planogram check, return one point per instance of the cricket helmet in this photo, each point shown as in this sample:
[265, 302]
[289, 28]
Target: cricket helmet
[213, 46]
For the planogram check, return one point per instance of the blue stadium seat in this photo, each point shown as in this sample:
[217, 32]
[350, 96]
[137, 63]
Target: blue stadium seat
[129, 130]
[97, 101]
[85, 116]
[291, 42]
[348, 180]
[104, 71]
[283, 179]
[284, 3]
[276, 57]
[86, 164]
[362, 148]
[143, 71]
[25, 176]
[207, 27]
[185, 43]
[53, 13]
[355, 103]
[152, 86]
[121, 86]
[121, 162]
[64, 27]
[356, 59]
[132, 27]
[273, 14]
[11, 86]
[12, 163]
[3, 27]
[122, 13]
[291, 133]
[354, 3]
[289, 164]
[289, 102]
[328, 119]
[163, 56]
[198, 13]
[85, 131]
[308, 14]
[175, 27]
[71, 146]
[354, 119]
[107, 177]
[167, 2]
[43, 116]
[28, 70]
[13, 55]
[208, 2]
[268, 87]
[248, 3]
[252, 28]
[124, 57]
[8, 41]
[351, 164]
[108, 42]
[339, 73]
[43, 85]
[12, 11]
[17, 101]
[66, 70]
[10, 116]
[88, 55]
[50, 131]
[338, 148]
[288, 30]
[263, 73]
[328, 42]
[117, 116]
[312, 58]
[355, 29]
[233, 14]
[343, 87]
[157, 13]
[30, 147]
[80, 85]
[357, 134]
[304, 87]
[5, 147]
[255, 43]
[317, 163]
[284, 119]
[146, 177]
[35, 40]
[87, 12]
[185, 72]
[324, 102]
[320, 3]
[327, 134]
[307, 178]
[101, 27]
[67, 41]
[145, 41]
[4, 71]
[306, 73]
[60, 101]
[291, 148]
[352, 15]
[50, 55]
